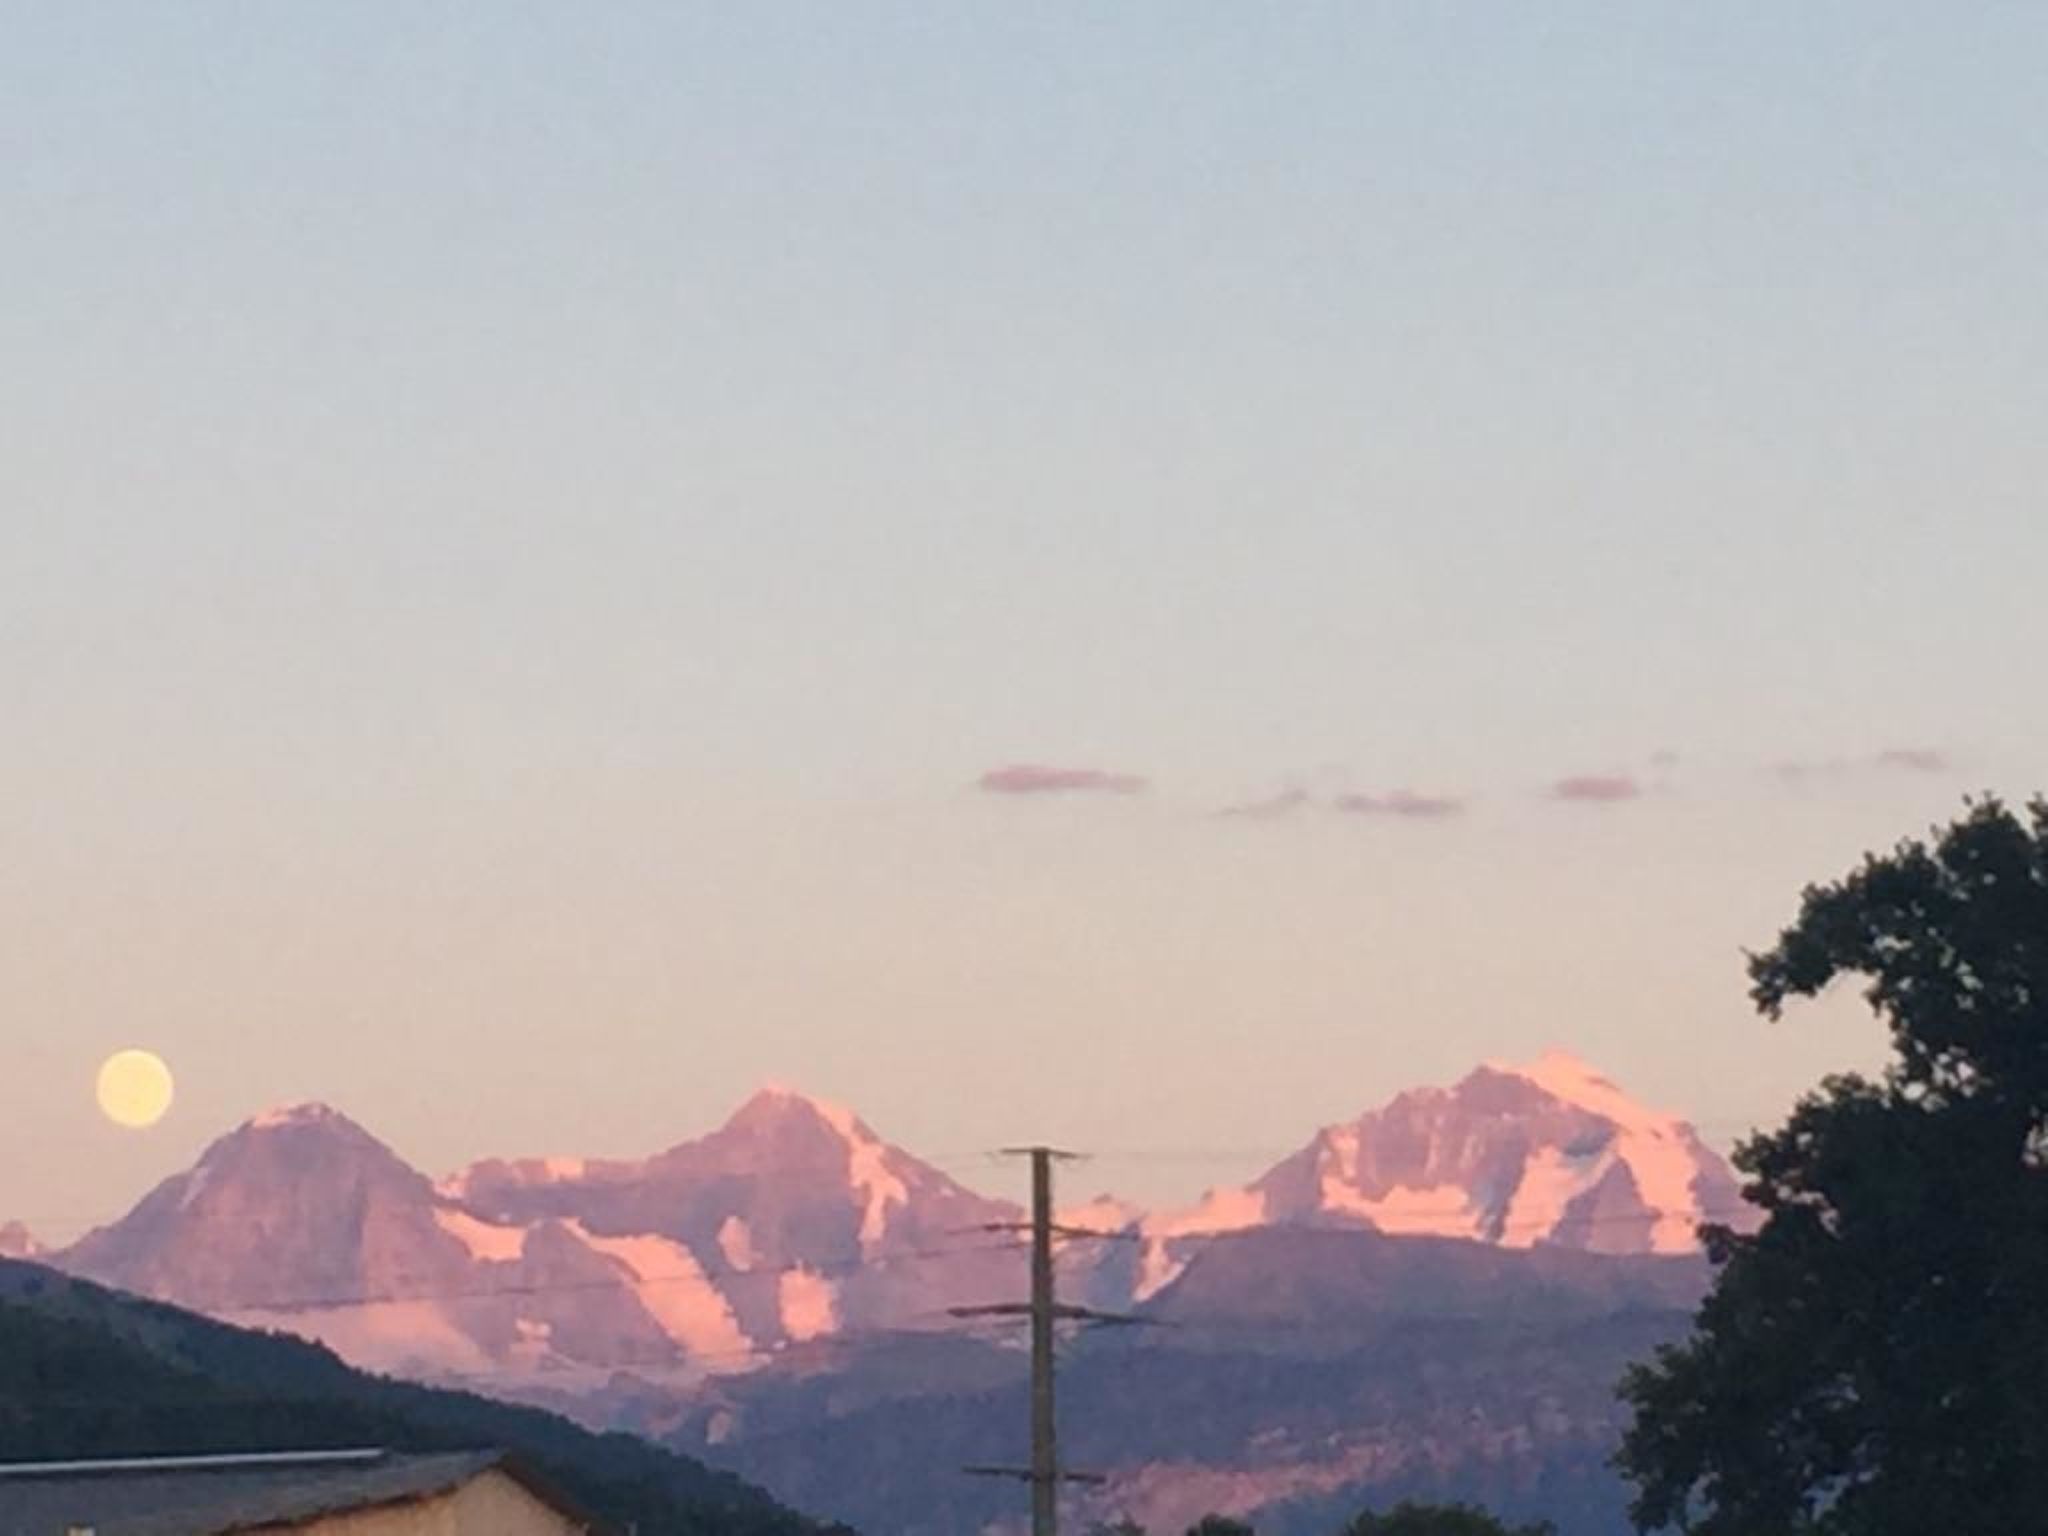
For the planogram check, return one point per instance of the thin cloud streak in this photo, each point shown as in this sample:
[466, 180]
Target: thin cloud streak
[1915, 759]
[1272, 808]
[1797, 771]
[1403, 803]
[1891, 760]
[1044, 779]
[1597, 788]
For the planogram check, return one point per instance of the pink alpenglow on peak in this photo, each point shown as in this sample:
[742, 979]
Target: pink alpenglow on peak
[795, 1220]
[1044, 779]
[1405, 803]
[1551, 1154]
[788, 1222]
[1571, 1078]
[1674, 1174]
[306, 1112]
[17, 1242]
[1597, 788]
[1104, 1213]
[868, 1158]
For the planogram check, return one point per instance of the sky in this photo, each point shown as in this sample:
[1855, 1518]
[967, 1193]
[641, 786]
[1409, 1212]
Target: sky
[1141, 576]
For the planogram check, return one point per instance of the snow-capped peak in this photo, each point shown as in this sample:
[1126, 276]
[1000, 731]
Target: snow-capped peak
[1547, 1152]
[1564, 1076]
[1661, 1153]
[306, 1129]
[874, 1169]
[780, 1225]
[305, 1112]
[776, 1098]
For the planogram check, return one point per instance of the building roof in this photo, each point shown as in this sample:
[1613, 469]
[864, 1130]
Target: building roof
[212, 1495]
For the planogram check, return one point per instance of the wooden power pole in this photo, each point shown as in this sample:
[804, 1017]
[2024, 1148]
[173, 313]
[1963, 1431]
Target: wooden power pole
[1045, 1474]
[1045, 1457]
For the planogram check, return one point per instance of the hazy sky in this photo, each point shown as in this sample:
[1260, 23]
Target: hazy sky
[522, 529]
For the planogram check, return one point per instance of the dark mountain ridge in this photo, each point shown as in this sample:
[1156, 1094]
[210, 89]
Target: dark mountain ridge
[86, 1372]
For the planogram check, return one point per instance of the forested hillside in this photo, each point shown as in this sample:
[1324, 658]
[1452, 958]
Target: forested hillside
[87, 1372]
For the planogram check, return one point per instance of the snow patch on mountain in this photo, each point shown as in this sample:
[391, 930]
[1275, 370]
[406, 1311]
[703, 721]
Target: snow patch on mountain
[736, 1242]
[484, 1240]
[1407, 1210]
[1430, 1210]
[1220, 1211]
[670, 1283]
[1552, 1180]
[194, 1184]
[1660, 1150]
[1104, 1213]
[1161, 1260]
[282, 1116]
[532, 1342]
[1158, 1267]
[867, 1158]
[809, 1304]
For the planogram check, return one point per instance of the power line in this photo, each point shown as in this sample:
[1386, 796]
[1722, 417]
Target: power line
[1484, 1233]
[1598, 1219]
[1042, 1310]
[826, 1269]
[1484, 1236]
[821, 1344]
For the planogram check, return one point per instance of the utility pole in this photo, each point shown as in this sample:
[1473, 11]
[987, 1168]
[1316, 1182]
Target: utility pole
[1045, 1458]
[1045, 1474]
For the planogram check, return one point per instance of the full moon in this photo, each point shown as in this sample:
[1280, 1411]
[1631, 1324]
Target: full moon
[134, 1088]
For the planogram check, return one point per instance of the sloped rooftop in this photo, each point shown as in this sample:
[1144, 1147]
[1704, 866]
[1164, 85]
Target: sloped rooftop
[210, 1495]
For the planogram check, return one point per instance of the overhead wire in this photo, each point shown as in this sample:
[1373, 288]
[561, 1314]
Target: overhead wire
[1487, 1235]
[824, 1269]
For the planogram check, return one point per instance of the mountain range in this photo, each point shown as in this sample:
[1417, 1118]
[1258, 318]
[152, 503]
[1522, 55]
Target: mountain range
[794, 1221]
[774, 1295]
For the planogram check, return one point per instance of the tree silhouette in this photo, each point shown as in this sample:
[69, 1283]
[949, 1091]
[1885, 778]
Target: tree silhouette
[1874, 1360]
[1219, 1525]
[1411, 1519]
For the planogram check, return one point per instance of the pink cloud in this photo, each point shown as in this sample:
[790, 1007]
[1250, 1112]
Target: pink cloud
[1272, 808]
[1041, 779]
[1401, 802]
[1597, 788]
